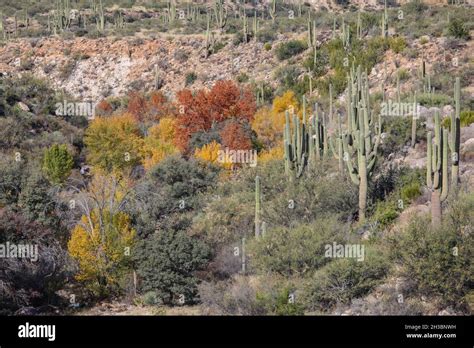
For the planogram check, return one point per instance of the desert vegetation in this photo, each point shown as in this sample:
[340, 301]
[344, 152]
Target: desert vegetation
[220, 157]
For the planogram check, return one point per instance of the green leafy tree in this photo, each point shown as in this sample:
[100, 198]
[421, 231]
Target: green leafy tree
[167, 262]
[57, 163]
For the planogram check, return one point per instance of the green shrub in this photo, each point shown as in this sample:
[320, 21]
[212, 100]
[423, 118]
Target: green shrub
[427, 256]
[435, 99]
[386, 212]
[397, 44]
[166, 263]
[57, 163]
[467, 117]
[457, 28]
[403, 74]
[342, 280]
[267, 35]
[242, 78]
[279, 303]
[190, 78]
[296, 250]
[289, 49]
[410, 192]
[267, 46]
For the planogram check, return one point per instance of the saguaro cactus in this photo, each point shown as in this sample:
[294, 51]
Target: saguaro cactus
[437, 169]
[414, 117]
[361, 141]
[258, 209]
[272, 10]
[220, 12]
[305, 142]
[384, 24]
[455, 134]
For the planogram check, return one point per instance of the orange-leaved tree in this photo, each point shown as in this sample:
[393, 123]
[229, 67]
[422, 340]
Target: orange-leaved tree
[199, 111]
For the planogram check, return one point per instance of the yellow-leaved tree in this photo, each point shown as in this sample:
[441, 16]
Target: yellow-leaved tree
[212, 153]
[269, 123]
[159, 143]
[101, 241]
[114, 144]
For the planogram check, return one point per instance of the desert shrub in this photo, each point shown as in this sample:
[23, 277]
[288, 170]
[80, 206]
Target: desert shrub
[249, 295]
[25, 282]
[151, 298]
[439, 260]
[234, 297]
[466, 118]
[178, 183]
[414, 6]
[434, 99]
[266, 36]
[309, 198]
[398, 134]
[403, 74]
[267, 46]
[298, 250]
[57, 163]
[242, 78]
[386, 211]
[342, 280]
[290, 49]
[411, 191]
[288, 77]
[166, 263]
[190, 78]
[397, 44]
[457, 28]
[280, 301]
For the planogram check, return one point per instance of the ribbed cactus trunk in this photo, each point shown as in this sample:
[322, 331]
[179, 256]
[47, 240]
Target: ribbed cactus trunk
[361, 141]
[362, 187]
[437, 169]
[413, 122]
[455, 134]
[258, 199]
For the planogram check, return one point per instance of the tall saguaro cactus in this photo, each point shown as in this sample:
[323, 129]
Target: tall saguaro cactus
[362, 139]
[258, 208]
[455, 133]
[437, 169]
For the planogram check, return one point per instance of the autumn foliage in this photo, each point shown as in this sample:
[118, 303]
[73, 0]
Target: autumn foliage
[159, 142]
[198, 112]
[234, 137]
